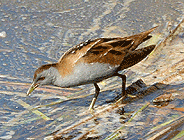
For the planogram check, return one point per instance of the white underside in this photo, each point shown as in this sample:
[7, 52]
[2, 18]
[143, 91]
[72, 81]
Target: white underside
[85, 74]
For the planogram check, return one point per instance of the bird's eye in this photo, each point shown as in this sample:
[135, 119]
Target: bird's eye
[41, 78]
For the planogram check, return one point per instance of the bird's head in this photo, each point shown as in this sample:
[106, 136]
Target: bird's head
[44, 75]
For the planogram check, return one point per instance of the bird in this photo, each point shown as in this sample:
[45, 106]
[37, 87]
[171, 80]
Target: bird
[92, 61]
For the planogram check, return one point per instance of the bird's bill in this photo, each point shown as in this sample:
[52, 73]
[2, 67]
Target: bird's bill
[33, 87]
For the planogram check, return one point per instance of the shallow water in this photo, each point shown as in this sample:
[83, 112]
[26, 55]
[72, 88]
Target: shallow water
[33, 33]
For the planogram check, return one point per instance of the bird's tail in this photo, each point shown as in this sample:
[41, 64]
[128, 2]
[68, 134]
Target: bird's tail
[141, 37]
[135, 56]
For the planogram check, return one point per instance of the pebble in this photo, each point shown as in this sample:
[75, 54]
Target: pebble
[3, 34]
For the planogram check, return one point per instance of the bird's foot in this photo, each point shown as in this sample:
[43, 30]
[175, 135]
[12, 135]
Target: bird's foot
[91, 110]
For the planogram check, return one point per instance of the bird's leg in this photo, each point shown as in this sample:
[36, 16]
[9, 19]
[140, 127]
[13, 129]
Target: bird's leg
[123, 93]
[97, 90]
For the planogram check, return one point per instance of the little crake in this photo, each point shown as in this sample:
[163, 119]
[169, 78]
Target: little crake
[93, 61]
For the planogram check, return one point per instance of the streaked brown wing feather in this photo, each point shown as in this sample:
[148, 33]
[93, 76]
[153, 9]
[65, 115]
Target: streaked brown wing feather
[114, 50]
[111, 52]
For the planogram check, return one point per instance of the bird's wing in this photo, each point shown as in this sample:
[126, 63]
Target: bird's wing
[107, 50]
[113, 50]
[103, 50]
